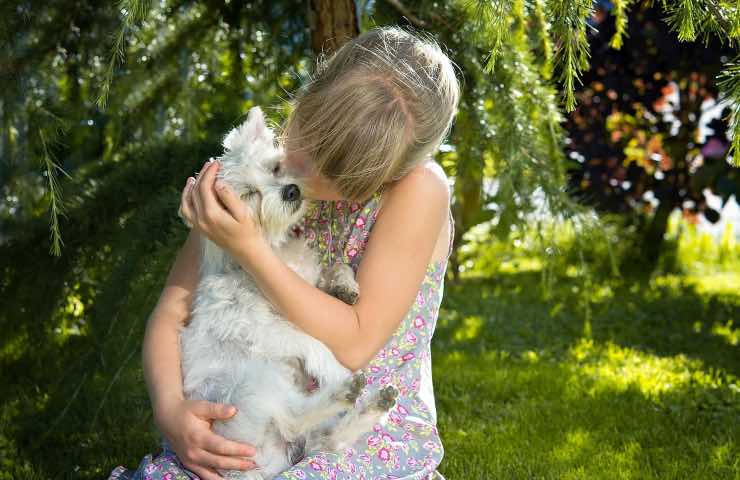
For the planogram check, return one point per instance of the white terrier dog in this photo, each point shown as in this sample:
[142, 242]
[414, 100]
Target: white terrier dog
[237, 349]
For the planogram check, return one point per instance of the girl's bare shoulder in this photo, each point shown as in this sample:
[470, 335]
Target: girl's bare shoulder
[427, 182]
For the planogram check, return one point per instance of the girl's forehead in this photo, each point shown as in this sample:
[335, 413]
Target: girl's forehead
[298, 163]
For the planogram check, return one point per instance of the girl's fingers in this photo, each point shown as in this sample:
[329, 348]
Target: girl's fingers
[206, 193]
[185, 205]
[195, 195]
[226, 463]
[212, 410]
[200, 174]
[223, 446]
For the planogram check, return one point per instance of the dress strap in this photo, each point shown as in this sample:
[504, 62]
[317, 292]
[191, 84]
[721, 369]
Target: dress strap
[452, 232]
[378, 197]
[374, 204]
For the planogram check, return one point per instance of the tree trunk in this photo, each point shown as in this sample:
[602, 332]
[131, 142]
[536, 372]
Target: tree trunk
[655, 232]
[468, 188]
[677, 147]
[332, 23]
[466, 211]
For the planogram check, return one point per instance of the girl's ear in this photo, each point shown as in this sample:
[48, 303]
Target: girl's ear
[253, 128]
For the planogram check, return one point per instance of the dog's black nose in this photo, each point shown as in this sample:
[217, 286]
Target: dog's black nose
[291, 193]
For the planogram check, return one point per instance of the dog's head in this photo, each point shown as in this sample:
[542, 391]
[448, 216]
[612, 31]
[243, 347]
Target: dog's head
[252, 165]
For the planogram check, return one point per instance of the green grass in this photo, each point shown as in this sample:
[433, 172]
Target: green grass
[646, 388]
[527, 386]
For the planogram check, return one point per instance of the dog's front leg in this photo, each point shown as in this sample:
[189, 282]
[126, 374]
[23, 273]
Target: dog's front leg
[338, 280]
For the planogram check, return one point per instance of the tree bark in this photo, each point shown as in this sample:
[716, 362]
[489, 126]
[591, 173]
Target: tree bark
[653, 238]
[332, 23]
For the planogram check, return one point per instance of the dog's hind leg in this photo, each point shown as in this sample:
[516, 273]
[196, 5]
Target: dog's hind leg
[358, 421]
[312, 410]
[333, 403]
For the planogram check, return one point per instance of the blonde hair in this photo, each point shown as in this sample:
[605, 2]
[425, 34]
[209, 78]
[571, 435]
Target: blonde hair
[374, 109]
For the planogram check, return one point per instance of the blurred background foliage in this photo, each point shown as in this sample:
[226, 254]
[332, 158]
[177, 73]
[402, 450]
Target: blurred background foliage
[591, 162]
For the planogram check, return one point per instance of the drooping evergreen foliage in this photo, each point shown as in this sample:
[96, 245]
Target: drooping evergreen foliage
[165, 62]
[107, 108]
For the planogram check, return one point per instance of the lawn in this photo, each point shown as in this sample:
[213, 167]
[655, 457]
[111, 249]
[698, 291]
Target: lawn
[642, 384]
[646, 388]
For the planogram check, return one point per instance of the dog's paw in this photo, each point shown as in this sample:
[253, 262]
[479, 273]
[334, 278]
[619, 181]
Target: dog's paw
[345, 294]
[386, 398]
[356, 384]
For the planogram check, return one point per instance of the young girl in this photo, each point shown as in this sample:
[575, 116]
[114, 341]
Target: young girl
[361, 134]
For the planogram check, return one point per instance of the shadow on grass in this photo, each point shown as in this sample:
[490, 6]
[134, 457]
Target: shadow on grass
[668, 316]
[513, 418]
[63, 415]
[519, 392]
[523, 390]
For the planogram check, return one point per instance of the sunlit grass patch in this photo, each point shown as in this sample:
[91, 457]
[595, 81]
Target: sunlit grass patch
[698, 252]
[469, 329]
[727, 331]
[504, 416]
[574, 443]
[614, 367]
[718, 283]
[522, 393]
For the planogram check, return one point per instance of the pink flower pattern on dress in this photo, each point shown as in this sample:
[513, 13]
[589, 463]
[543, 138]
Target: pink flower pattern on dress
[398, 448]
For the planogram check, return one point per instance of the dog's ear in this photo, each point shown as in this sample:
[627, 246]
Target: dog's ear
[253, 128]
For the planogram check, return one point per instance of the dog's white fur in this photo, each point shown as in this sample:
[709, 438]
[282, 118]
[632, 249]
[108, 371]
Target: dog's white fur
[237, 349]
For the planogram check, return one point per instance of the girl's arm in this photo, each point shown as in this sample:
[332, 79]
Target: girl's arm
[390, 274]
[185, 423]
[160, 350]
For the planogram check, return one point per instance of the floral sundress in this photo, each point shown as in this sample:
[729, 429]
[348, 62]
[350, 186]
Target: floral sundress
[407, 445]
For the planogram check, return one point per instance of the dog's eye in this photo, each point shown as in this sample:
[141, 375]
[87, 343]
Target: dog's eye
[276, 169]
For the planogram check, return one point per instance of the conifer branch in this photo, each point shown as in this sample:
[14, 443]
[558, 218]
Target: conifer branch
[571, 50]
[419, 22]
[413, 19]
[719, 17]
[134, 11]
[493, 17]
[729, 86]
[620, 22]
[684, 16]
[56, 204]
[543, 37]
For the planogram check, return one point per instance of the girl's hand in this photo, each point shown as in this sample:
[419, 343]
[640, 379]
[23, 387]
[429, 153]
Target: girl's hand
[227, 227]
[187, 427]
